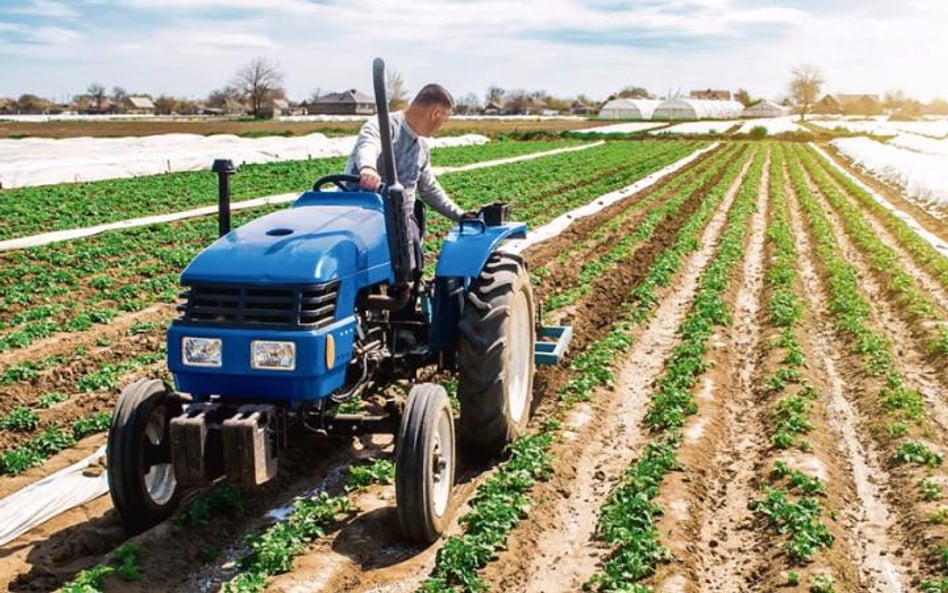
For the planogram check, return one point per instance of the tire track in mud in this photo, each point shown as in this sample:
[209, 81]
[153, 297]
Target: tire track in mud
[875, 531]
[706, 525]
[555, 549]
[593, 317]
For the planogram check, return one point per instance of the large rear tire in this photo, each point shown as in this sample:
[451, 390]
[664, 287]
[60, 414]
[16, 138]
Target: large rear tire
[495, 357]
[424, 464]
[141, 478]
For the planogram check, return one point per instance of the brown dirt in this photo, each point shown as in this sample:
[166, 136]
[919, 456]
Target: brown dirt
[556, 549]
[204, 128]
[884, 531]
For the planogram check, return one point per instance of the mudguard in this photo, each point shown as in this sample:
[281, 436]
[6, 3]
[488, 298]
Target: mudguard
[468, 245]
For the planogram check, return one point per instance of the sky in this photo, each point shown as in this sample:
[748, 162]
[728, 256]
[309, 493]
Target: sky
[186, 48]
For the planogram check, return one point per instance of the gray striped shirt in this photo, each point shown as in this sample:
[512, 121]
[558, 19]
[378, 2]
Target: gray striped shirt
[412, 164]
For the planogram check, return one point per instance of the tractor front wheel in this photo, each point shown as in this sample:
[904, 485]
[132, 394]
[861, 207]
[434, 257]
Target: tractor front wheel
[141, 478]
[495, 357]
[424, 463]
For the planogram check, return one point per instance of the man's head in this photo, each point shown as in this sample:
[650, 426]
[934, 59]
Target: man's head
[430, 109]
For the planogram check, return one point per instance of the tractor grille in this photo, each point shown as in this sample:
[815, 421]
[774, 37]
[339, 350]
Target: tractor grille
[307, 307]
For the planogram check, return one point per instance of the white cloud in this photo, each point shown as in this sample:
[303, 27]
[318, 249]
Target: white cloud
[46, 8]
[283, 6]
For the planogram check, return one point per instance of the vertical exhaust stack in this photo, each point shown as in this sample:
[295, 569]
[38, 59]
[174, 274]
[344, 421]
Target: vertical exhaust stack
[224, 169]
[399, 240]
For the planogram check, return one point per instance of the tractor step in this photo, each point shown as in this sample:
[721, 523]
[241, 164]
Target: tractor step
[552, 343]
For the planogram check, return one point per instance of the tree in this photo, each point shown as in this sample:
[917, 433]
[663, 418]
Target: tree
[28, 103]
[118, 97]
[805, 86]
[96, 93]
[744, 97]
[517, 101]
[257, 82]
[466, 104]
[395, 90]
[634, 92]
[166, 105]
[495, 94]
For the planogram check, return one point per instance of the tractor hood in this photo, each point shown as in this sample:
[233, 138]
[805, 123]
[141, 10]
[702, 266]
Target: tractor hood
[301, 245]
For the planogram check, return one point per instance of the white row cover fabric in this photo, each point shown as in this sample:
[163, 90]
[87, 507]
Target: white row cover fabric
[699, 127]
[924, 177]
[930, 238]
[921, 144]
[774, 125]
[766, 109]
[51, 496]
[937, 128]
[624, 128]
[685, 108]
[44, 161]
[629, 109]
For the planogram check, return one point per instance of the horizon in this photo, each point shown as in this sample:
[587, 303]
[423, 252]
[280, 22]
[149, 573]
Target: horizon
[187, 48]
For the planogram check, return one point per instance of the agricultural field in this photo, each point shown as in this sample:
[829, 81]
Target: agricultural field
[754, 398]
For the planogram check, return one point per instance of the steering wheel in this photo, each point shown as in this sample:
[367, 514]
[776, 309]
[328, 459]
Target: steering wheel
[339, 180]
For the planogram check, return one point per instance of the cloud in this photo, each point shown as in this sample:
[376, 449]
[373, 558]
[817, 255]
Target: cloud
[281, 6]
[17, 33]
[46, 8]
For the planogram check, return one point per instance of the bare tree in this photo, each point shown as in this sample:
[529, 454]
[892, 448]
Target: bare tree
[805, 86]
[517, 101]
[165, 105]
[119, 95]
[257, 82]
[468, 103]
[395, 89]
[495, 94]
[96, 92]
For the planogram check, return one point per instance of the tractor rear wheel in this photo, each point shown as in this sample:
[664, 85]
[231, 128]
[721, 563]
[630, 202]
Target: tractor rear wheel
[495, 357]
[424, 463]
[141, 478]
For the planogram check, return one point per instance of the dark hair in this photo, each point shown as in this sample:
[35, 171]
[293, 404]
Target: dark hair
[434, 94]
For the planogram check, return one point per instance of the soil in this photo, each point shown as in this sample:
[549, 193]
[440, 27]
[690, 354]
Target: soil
[885, 540]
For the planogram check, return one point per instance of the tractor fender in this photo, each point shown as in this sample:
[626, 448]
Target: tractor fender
[467, 247]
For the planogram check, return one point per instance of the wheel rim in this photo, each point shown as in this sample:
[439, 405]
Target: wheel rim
[442, 464]
[520, 354]
[159, 479]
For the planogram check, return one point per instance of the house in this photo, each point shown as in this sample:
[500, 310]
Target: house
[138, 106]
[7, 106]
[859, 103]
[578, 108]
[828, 105]
[350, 102]
[711, 95]
[492, 108]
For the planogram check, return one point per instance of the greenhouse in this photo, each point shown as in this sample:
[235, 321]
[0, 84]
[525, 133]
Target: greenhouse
[683, 108]
[629, 109]
[766, 109]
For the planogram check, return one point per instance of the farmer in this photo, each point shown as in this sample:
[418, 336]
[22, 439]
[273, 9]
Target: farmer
[428, 111]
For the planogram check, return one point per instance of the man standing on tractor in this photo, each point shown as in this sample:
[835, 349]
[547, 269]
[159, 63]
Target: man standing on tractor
[426, 114]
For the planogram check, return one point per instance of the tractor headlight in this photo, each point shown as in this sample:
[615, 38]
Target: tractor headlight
[273, 356]
[201, 352]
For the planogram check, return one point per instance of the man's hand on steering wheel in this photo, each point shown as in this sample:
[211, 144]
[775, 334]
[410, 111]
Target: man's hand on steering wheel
[369, 178]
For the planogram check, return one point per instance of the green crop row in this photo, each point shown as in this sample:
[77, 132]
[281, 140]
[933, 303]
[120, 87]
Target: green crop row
[680, 193]
[628, 518]
[73, 285]
[851, 313]
[884, 258]
[591, 369]
[923, 252]
[32, 210]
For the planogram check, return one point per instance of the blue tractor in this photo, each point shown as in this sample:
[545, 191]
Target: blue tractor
[288, 317]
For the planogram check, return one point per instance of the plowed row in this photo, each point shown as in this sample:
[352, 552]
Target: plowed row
[754, 401]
